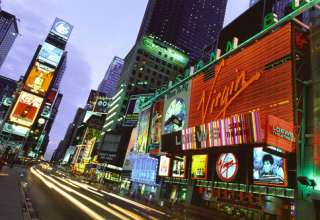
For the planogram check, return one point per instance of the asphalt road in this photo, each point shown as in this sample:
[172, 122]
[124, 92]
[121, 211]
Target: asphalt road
[60, 198]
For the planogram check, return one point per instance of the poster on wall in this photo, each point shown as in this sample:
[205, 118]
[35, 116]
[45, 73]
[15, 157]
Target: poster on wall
[50, 54]
[26, 109]
[227, 167]
[199, 167]
[143, 131]
[175, 116]
[164, 166]
[156, 123]
[268, 169]
[178, 167]
[39, 79]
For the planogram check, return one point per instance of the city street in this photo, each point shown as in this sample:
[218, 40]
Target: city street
[57, 197]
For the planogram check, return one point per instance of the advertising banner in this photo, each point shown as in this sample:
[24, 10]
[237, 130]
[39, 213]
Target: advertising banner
[268, 169]
[61, 28]
[50, 54]
[143, 131]
[256, 78]
[234, 130]
[156, 123]
[280, 134]
[171, 142]
[199, 167]
[144, 169]
[16, 130]
[39, 79]
[164, 166]
[26, 109]
[134, 108]
[179, 167]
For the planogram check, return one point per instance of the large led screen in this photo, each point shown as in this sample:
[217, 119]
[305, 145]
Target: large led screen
[26, 109]
[268, 169]
[164, 166]
[179, 167]
[199, 167]
[50, 54]
[143, 131]
[175, 116]
[257, 77]
[144, 169]
[39, 79]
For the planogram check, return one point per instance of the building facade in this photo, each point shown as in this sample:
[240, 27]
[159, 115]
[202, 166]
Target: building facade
[190, 25]
[8, 33]
[111, 79]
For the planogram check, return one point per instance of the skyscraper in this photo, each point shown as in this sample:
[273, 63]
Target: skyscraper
[188, 24]
[8, 33]
[110, 81]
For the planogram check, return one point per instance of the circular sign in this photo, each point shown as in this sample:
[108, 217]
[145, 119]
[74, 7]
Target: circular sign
[41, 121]
[227, 167]
[62, 28]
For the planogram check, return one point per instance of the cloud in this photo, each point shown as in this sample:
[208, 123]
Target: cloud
[75, 87]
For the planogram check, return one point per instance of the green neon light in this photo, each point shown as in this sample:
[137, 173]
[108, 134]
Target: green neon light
[258, 35]
[158, 49]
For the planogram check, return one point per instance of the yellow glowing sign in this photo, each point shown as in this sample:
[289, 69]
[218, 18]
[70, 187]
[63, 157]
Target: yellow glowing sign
[39, 79]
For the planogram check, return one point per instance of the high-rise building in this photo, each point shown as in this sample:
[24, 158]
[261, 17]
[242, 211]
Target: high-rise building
[7, 88]
[8, 33]
[110, 81]
[188, 24]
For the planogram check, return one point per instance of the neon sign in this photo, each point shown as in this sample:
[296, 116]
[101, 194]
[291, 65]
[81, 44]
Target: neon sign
[227, 167]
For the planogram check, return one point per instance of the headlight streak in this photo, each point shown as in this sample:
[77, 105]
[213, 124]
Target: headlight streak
[100, 205]
[85, 186]
[74, 201]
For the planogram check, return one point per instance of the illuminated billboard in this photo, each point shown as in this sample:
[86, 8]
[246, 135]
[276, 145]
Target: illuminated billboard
[164, 166]
[175, 117]
[134, 108]
[143, 131]
[268, 169]
[144, 169]
[16, 130]
[179, 167]
[50, 54]
[258, 77]
[26, 109]
[61, 28]
[156, 123]
[233, 130]
[199, 167]
[39, 79]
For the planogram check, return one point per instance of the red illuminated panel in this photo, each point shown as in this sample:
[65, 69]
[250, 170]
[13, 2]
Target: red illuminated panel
[26, 109]
[243, 83]
[280, 134]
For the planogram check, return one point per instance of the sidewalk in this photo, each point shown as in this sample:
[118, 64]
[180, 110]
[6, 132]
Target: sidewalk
[11, 201]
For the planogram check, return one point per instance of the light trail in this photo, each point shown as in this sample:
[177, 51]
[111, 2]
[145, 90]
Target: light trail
[66, 181]
[73, 200]
[132, 202]
[100, 205]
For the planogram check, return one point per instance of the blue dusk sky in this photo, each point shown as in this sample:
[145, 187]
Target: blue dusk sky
[102, 29]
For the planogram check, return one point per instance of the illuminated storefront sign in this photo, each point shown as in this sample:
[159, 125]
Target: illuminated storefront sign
[199, 167]
[179, 167]
[61, 29]
[39, 79]
[144, 169]
[268, 169]
[50, 54]
[280, 134]
[227, 167]
[26, 109]
[164, 166]
[244, 82]
[164, 51]
[234, 130]
[46, 111]
[143, 131]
